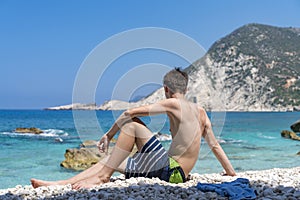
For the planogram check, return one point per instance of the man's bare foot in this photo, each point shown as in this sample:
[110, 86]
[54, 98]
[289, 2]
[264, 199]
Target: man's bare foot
[89, 182]
[38, 183]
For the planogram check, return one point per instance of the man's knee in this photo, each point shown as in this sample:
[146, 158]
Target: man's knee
[131, 126]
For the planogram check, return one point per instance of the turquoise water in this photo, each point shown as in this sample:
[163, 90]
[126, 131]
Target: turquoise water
[252, 141]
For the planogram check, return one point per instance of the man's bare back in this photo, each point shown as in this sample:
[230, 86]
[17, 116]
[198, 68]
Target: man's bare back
[186, 128]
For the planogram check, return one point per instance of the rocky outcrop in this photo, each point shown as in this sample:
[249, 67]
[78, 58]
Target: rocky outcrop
[28, 130]
[84, 157]
[296, 126]
[122, 105]
[80, 159]
[290, 134]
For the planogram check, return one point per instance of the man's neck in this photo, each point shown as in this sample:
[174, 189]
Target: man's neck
[178, 96]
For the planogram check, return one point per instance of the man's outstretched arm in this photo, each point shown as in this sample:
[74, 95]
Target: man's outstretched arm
[217, 149]
[160, 107]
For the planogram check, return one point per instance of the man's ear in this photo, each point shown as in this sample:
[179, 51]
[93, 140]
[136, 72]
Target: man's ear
[166, 89]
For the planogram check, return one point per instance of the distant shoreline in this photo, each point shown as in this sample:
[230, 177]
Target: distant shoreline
[121, 105]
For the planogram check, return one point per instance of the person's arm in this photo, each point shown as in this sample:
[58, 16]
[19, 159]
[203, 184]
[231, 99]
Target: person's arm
[122, 119]
[163, 106]
[160, 107]
[216, 148]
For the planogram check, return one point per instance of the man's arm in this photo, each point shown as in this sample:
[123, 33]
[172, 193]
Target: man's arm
[216, 148]
[160, 107]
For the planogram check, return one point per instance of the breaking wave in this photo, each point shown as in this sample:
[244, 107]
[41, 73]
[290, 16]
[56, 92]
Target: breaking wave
[46, 133]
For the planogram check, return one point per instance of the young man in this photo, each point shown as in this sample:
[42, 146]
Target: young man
[188, 124]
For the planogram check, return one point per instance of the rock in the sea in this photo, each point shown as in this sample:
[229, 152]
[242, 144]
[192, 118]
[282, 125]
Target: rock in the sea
[296, 126]
[80, 159]
[84, 157]
[28, 130]
[290, 134]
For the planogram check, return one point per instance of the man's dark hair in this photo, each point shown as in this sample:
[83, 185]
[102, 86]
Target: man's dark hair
[176, 80]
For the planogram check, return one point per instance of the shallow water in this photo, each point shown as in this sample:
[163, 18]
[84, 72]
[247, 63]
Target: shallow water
[252, 141]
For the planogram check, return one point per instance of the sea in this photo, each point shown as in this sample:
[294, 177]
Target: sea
[251, 140]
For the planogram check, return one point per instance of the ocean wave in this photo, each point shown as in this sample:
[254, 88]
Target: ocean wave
[227, 141]
[260, 135]
[46, 133]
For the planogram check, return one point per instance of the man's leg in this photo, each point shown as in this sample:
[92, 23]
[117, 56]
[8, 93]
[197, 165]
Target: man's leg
[136, 130]
[131, 133]
[92, 171]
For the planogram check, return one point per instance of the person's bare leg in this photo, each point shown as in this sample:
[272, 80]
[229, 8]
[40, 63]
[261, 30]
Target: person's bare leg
[144, 135]
[92, 171]
[131, 133]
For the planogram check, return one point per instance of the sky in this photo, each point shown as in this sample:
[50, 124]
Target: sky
[44, 43]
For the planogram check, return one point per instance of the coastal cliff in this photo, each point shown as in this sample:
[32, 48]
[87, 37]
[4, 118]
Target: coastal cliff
[254, 68]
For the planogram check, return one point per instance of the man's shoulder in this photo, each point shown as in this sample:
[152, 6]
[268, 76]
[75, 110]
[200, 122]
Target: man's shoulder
[200, 109]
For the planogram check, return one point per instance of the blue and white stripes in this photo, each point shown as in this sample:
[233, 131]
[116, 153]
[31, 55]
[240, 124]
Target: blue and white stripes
[149, 161]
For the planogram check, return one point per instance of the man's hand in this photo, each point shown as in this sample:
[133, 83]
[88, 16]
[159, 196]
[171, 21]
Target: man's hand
[224, 173]
[103, 144]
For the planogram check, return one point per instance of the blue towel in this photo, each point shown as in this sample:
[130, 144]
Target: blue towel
[235, 190]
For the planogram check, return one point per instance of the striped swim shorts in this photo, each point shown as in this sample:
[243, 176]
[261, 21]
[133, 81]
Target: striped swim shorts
[153, 161]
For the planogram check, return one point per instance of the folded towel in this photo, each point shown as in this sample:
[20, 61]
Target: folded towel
[235, 190]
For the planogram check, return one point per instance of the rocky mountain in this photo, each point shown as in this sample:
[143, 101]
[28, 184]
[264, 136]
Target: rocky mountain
[254, 68]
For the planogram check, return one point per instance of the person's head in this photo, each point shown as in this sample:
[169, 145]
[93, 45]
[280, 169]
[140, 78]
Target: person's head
[175, 81]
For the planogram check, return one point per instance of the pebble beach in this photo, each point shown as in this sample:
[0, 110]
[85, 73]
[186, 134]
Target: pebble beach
[277, 183]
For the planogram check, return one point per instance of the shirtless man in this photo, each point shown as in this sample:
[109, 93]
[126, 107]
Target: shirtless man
[188, 124]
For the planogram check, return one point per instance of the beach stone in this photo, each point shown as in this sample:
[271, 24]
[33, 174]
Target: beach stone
[296, 126]
[290, 134]
[297, 194]
[288, 190]
[268, 192]
[28, 130]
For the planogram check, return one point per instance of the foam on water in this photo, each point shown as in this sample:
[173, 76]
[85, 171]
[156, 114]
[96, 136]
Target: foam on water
[46, 133]
[261, 135]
